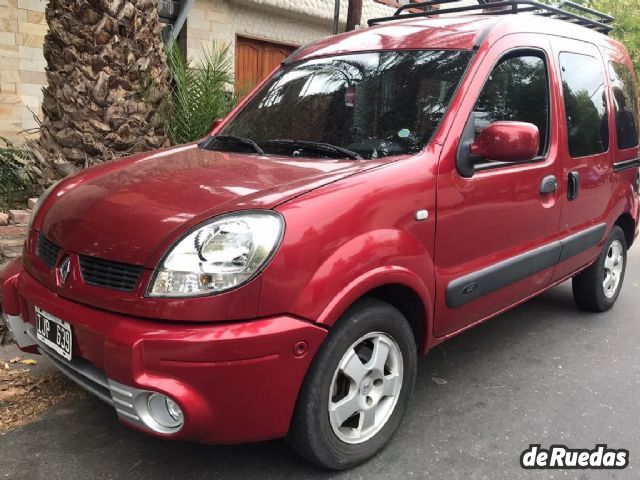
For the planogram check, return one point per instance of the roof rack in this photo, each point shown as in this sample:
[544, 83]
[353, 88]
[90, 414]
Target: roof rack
[565, 10]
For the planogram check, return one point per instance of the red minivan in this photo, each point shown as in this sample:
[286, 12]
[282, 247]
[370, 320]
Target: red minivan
[382, 191]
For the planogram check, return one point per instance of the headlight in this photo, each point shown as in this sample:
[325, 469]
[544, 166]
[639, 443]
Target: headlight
[40, 201]
[218, 255]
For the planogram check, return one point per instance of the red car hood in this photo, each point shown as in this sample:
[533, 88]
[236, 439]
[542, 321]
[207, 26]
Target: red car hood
[130, 209]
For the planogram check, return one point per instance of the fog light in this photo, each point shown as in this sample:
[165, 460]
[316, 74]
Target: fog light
[165, 411]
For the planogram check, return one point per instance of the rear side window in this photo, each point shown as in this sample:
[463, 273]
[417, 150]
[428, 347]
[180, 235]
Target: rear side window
[516, 90]
[626, 105]
[585, 104]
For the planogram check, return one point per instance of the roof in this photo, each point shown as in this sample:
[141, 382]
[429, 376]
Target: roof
[451, 33]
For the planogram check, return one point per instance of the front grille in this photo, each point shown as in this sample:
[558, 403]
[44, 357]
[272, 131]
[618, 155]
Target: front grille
[104, 273]
[47, 251]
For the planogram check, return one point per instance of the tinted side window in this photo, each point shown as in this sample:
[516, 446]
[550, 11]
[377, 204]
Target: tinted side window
[626, 105]
[516, 90]
[584, 104]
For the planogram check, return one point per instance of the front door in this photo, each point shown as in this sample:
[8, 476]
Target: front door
[496, 230]
[255, 59]
[585, 146]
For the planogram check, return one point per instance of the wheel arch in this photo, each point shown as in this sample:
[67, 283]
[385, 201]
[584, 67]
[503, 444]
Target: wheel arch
[397, 286]
[628, 226]
[408, 303]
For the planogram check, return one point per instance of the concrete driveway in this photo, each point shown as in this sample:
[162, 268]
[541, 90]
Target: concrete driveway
[543, 373]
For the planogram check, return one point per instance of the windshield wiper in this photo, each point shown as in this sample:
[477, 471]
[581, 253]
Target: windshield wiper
[209, 142]
[319, 146]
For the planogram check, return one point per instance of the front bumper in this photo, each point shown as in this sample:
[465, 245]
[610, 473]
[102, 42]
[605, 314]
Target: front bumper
[235, 382]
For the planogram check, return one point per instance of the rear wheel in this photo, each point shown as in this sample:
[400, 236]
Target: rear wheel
[357, 388]
[596, 289]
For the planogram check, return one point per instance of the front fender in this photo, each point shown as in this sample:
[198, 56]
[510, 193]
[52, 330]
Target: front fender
[378, 277]
[359, 271]
[365, 262]
[352, 236]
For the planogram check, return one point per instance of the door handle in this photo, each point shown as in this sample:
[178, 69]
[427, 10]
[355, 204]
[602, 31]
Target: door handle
[573, 189]
[549, 184]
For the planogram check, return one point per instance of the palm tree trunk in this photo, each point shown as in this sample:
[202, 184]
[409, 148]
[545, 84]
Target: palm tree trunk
[107, 77]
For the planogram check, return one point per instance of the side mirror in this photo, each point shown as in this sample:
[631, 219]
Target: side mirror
[511, 142]
[215, 124]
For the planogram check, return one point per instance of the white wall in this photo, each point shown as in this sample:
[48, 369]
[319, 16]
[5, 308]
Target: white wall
[293, 22]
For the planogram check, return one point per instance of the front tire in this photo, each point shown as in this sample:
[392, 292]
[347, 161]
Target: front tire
[596, 289]
[357, 388]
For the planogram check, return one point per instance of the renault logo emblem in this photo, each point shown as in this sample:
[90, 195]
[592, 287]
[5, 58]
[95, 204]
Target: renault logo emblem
[64, 269]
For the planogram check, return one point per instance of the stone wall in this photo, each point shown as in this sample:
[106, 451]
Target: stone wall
[22, 31]
[13, 232]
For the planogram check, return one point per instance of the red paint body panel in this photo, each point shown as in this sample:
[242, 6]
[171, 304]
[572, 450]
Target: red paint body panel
[211, 370]
[355, 242]
[494, 215]
[351, 227]
[595, 171]
[508, 142]
[155, 198]
[438, 34]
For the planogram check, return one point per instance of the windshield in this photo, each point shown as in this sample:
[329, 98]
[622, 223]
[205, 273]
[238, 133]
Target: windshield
[366, 105]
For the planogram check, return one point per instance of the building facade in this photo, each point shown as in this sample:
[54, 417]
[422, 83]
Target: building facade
[261, 33]
[22, 31]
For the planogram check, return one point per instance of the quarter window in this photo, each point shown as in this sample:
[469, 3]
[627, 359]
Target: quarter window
[625, 102]
[516, 90]
[585, 104]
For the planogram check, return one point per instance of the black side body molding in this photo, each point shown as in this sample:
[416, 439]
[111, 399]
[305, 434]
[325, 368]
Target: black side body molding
[482, 282]
[627, 164]
[581, 241]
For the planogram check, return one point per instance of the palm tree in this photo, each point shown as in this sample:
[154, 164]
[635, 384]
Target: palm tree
[105, 58]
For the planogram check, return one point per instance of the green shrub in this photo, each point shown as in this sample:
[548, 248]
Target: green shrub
[625, 26]
[202, 92]
[16, 185]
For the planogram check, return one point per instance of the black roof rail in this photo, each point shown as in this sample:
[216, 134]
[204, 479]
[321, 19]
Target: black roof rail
[596, 20]
[601, 17]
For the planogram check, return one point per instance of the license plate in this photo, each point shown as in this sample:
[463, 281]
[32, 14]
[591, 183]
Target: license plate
[54, 333]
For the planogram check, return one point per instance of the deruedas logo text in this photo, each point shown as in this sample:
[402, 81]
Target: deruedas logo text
[562, 457]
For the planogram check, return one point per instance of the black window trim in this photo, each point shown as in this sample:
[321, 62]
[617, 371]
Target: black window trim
[605, 82]
[512, 53]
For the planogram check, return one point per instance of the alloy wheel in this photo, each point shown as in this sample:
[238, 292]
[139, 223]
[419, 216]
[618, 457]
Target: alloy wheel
[613, 267]
[365, 388]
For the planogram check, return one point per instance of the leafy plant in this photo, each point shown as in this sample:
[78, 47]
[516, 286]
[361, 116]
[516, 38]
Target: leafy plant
[16, 184]
[202, 91]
